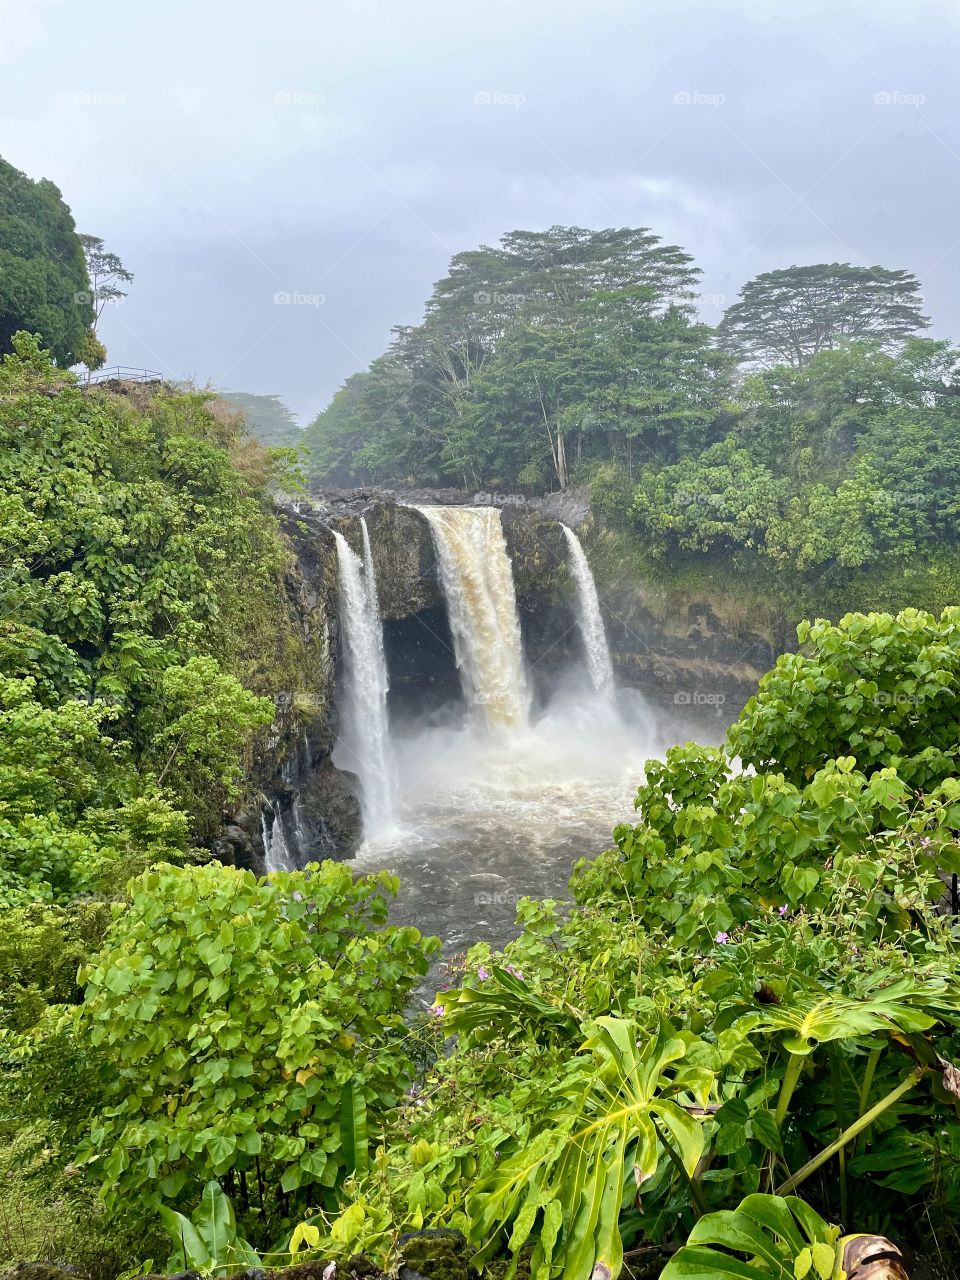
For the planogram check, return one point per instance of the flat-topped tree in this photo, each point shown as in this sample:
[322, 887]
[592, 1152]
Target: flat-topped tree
[790, 316]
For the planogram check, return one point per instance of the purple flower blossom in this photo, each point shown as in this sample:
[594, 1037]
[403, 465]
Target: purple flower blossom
[436, 1010]
[483, 974]
[722, 937]
[517, 973]
[784, 909]
[926, 842]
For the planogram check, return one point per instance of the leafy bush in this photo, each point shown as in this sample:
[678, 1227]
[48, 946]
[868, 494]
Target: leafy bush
[248, 1031]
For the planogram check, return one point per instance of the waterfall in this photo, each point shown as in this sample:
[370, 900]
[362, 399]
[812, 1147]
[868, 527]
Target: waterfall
[276, 852]
[366, 734]
[477, 580]
[590, 620]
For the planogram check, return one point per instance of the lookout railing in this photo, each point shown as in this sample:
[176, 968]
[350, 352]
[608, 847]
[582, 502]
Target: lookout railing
[123, 373]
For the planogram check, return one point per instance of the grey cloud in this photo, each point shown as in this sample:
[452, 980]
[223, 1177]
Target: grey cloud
[236, 152]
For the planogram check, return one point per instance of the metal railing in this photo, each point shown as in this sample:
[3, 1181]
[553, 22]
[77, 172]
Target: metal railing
[123, 373]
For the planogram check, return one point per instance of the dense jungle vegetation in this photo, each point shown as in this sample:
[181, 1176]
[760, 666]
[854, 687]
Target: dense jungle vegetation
[807, 447]
[737, 1041]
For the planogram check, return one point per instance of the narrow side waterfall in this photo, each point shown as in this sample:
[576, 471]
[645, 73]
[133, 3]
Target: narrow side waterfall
[589, 618]
[366, 728]
[477, 580]
[277, 856]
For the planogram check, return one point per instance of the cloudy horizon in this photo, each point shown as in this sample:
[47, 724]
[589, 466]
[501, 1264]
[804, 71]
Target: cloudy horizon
[287, 185]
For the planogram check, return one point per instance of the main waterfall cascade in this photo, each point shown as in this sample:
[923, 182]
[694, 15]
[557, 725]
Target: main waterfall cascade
[477, 580]
[590, 620]
[366, 737]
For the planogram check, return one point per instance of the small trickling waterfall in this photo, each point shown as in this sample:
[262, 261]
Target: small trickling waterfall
[365, 733]
[477, 580]
[277, 856]
[589, 618]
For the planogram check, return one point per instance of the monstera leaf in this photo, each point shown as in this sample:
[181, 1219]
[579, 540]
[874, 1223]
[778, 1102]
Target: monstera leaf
[776, 1238]
[566, 1187]
[809, 1020]
[504, 1002]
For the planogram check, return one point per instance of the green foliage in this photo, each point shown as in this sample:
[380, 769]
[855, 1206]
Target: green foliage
[208, 1242]
[836, 475]
[203, 721]
[535, 356]
[611, 1117]
[106, 273]
[783, 1239]
[238, 1022]
[756, 991]
[790, 316]
[75, 817]
[41, 949]
[43, 277]
[141, 569]
[877, 687]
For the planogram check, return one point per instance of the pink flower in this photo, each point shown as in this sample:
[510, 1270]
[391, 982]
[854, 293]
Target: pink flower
[784, 909]
[483, 974]
[436, 1010]
[722, 937]
[517, 973]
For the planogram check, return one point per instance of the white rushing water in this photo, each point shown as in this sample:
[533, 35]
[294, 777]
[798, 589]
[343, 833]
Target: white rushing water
[502, 803]
[364, 742]
[277, 856]
[589, 618]
[477, 580]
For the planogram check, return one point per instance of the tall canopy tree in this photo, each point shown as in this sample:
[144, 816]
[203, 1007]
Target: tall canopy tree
[106, 273]
[524, 347]
[790, 316]
[43, 277]
[267, 418]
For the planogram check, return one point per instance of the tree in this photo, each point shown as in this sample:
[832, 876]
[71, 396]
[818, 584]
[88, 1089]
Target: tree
[43, 278]
[430, 410]
[790, 316]
[267, 418]
[91, 352]
[104, 270]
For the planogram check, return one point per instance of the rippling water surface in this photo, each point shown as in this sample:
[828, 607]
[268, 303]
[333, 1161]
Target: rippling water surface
[487, 818]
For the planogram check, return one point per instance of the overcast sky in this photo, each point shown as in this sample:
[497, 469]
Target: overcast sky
[336, 153]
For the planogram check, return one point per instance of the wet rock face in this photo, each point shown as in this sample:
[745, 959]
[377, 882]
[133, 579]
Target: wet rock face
[691, 662]
[404, 557]
[327, 803]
